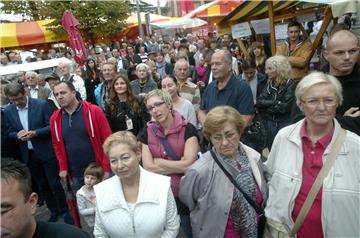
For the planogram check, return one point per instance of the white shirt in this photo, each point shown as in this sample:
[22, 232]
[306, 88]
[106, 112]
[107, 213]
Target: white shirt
[34, 92]
[24, 120]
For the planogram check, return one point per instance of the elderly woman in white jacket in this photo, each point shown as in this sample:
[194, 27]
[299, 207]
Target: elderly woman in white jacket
[300, 151]
[134, 202]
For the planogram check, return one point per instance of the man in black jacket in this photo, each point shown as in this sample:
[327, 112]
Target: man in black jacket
[18, 207]
[342, 53]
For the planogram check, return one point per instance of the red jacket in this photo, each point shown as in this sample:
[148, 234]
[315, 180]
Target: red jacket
[97, 126]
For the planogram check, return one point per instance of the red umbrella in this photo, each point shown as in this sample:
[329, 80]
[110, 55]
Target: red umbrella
[70, 24]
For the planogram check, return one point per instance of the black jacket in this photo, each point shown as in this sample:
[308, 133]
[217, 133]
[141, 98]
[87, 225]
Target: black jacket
[118, 116]
[274, 103]
[351, 90]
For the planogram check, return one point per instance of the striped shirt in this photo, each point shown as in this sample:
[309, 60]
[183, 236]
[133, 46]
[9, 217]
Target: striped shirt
[191, 92]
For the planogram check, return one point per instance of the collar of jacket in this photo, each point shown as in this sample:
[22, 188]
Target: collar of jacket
[295, 137]
[115, 196]
[300, 40]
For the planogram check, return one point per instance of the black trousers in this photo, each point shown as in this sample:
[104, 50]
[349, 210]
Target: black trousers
[46, 176]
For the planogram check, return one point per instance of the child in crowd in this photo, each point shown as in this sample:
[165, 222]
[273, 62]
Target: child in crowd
[86, 196]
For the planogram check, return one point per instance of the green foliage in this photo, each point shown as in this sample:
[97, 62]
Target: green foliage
[101, 18]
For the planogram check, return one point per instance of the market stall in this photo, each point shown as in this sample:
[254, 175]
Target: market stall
[214, 11]
[243, 18]
[132, 30]
[27, 33]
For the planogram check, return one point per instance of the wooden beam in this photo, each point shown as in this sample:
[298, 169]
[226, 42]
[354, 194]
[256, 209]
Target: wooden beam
[324, 26]
[242, 47]
[280, 16]
[272, 27]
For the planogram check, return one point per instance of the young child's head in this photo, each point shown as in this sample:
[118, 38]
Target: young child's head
[93, 174]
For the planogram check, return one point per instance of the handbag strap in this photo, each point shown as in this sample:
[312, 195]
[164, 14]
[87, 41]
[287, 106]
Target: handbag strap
[165, 144]
[258, 210]
[318, 181]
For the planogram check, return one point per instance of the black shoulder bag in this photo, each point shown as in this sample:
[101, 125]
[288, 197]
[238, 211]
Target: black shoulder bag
[259, 210]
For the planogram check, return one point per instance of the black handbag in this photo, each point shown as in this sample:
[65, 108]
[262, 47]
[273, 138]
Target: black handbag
[255, 135]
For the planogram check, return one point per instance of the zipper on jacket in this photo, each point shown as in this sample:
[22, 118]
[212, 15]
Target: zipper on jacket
[132, 214]
[133, 224]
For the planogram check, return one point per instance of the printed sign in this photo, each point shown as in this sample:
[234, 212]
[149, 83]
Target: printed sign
[280, 31]
[240, 30]
[261, 26]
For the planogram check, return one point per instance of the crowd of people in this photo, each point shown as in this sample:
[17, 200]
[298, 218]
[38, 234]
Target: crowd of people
[162, 138]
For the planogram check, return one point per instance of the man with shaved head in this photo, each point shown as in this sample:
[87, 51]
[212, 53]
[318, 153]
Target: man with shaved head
[342, 54]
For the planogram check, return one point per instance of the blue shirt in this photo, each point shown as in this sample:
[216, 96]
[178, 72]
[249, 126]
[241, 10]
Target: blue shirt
[236, 94]
[77, 141]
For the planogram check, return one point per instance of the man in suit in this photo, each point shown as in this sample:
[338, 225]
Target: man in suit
[34, 90]
[28, 124]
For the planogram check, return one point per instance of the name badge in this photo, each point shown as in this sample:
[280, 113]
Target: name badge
[129, 123]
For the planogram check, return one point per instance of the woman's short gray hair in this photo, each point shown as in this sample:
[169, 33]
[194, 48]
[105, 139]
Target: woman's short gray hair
[143, 66]
[282, 66]
[165, 96]
[316, 78]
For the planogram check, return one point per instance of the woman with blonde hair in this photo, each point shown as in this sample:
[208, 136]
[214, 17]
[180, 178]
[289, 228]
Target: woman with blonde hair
[217, 206]
[276, 99]
[169, 145]
[134, 202]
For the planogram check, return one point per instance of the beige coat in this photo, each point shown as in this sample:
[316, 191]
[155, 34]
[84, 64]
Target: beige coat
[299, 59]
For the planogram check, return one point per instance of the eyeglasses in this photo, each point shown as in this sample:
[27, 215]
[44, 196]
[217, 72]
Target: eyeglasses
[156, 105]
[229, 136]
[314, 102]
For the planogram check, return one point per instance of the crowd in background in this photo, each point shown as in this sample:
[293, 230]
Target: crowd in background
[188, 110]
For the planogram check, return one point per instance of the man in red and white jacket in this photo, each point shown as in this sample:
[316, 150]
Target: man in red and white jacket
[78, 131]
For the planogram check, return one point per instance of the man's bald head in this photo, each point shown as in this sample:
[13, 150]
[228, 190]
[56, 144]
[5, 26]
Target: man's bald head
[339, 35]
[342, 52]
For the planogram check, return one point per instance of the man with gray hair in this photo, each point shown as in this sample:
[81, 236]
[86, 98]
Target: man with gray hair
[77, 81]
[187, 89]
[226, 89]
[33, 89]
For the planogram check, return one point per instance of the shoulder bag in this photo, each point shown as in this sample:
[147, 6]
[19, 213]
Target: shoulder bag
[259, 210]
[274, 229]
[165, 144]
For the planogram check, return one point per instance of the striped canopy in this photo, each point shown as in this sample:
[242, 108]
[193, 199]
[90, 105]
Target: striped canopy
[258, 9]
[217, 8]
[132, 20]
[27, 33]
